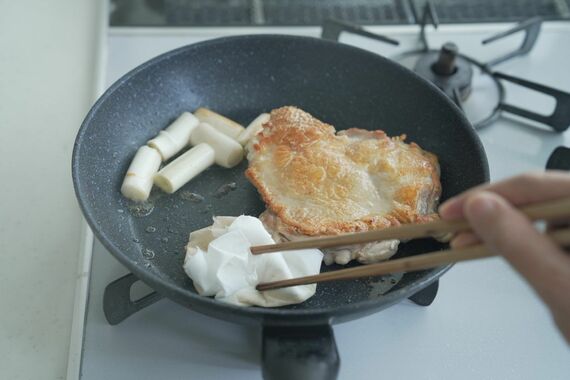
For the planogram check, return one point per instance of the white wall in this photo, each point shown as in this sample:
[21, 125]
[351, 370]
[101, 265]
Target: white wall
[47, 64]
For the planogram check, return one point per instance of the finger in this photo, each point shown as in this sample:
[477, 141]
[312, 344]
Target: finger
[508, 232]
[519, 190]
[464, 239]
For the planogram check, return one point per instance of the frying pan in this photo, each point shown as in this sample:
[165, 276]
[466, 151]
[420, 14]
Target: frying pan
[241, 77]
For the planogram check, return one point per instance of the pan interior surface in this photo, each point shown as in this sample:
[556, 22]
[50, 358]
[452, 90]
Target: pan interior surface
[241, 77]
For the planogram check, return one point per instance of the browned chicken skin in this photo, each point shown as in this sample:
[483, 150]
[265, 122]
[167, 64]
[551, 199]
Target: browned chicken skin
[315, 181]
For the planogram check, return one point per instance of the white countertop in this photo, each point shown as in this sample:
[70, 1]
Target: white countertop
[48, 57]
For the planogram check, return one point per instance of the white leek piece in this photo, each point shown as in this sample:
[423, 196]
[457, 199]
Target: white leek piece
[138, 180]
[177, 173]
[171, 140]
[221, 123]
[228, 152]
[253, 128]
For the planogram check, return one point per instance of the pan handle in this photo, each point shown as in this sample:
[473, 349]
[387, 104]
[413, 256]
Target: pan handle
[299, 353]
[117, 303]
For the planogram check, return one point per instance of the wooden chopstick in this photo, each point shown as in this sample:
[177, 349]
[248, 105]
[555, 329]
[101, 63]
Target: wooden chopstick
[547, 211]
[406, 264]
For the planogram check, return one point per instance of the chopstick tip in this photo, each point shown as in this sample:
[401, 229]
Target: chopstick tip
[255, 250]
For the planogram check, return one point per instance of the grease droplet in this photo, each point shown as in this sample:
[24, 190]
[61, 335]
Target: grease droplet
[383, 285]
[192, 197]
[136, 240]
[148, 254]
[225, 189]
[141, 209]
[164, 240]
[150, 229]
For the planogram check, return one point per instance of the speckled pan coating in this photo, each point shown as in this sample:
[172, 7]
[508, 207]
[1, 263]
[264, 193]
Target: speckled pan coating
[240, 77]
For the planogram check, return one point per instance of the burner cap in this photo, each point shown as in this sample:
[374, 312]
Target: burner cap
[447, 69]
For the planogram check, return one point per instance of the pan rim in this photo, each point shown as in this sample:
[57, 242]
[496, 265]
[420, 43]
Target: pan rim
[165, 287]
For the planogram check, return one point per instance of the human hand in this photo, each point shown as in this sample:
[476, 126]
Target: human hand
[490, 212]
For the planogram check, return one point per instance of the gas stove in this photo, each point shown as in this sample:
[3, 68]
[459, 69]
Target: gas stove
[454, 73]
[485, 321]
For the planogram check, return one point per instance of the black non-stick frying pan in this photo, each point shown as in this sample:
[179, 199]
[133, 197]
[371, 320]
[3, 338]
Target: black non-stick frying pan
[241, 77]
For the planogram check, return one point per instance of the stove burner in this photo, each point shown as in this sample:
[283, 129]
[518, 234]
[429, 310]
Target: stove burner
[456, 85]
[445, 64]
[449, 71]
[452, 72]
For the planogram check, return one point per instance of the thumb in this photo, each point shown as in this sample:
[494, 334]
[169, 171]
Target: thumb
[508, 232]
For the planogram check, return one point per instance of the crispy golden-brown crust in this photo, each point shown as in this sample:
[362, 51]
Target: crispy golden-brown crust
[321, 183]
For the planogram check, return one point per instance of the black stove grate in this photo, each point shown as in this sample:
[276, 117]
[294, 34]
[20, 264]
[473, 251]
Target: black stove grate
[450, 11]
[314, 12]
[207, 12]
[452, 72]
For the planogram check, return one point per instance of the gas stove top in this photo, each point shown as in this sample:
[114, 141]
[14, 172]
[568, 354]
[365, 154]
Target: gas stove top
[454, 73]
[485, 321]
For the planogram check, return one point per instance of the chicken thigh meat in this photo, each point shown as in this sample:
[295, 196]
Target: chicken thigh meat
[318, 182]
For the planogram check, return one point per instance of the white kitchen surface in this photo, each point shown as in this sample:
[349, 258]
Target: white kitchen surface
[484, 324]
[48, 55]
